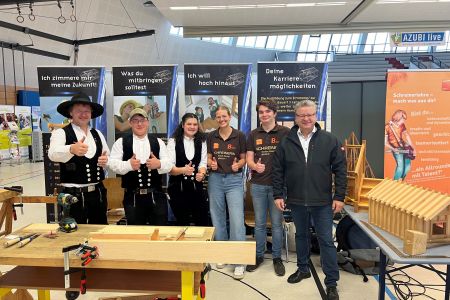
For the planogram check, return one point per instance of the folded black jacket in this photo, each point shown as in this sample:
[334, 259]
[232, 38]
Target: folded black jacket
[309, 182]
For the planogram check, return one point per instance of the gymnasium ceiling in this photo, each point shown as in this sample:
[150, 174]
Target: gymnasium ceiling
[248, 17]
[117, 19]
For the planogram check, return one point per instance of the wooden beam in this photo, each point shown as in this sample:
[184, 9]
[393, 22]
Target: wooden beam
[34, 199]
[99, 280]
[228, 252]
[5, 194]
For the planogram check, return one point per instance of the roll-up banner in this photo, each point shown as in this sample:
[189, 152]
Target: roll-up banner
[57, 84]
[152, 88]
[417, 128]
[290, 82]
[209, 85]
[7, 123]
[36, 118]
[23, 121]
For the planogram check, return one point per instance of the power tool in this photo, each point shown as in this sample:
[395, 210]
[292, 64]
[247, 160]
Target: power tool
[67, 223]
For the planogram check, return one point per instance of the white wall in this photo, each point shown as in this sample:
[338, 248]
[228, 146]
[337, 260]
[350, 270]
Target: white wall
[161, 48]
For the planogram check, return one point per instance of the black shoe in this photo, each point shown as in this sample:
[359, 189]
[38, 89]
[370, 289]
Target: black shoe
[72, 295]
[278, 266]
[298, 276]
[252, 268]
[332, 293]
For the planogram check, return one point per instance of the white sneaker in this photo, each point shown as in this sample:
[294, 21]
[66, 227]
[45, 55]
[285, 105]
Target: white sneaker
[239, 272]
[220, 266]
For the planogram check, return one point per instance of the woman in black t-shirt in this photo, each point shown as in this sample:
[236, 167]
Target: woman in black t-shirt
[226, 158]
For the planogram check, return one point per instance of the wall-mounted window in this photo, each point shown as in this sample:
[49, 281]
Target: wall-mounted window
[318, 47]
[276, 42]
[176, 31]
[445, 47]
[246, 41]
[379, 42]
[219, 40]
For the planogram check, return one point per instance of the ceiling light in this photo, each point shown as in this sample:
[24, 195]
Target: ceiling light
[391, 1]
[183, 7]
[271, 5]
[300, 4]
[213, 7]
[240, 6]
[330, 3]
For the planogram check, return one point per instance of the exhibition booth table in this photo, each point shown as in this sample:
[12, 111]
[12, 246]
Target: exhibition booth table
[392, 247]
[165, 260]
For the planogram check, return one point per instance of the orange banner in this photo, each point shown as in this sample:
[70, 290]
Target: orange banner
[417, 128]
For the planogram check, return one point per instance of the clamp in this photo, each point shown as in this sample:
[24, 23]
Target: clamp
[202, 287]
[87, 254]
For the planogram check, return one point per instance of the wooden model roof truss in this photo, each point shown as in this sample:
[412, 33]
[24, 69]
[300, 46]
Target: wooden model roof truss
[396, 206]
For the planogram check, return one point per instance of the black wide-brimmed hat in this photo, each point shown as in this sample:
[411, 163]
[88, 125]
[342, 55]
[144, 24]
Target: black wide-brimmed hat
[81, 98]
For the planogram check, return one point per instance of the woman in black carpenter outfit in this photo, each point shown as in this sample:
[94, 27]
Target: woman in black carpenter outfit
[187, 151]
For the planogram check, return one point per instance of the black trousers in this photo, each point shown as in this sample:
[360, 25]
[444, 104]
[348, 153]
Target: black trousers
[91, 207]
[189, 204]
[148, 209]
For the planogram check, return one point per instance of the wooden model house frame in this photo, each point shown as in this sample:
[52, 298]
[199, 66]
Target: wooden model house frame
[360, 176]
[396, 207]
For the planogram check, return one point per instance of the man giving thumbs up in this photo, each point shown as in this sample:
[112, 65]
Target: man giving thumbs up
[141, 158]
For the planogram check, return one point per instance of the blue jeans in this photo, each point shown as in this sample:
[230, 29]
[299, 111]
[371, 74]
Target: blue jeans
[262, 196]
[403, 166]
[323, 223]
[227, 190]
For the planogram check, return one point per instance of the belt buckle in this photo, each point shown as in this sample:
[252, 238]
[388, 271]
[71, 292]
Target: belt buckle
[91, 188]
[142, 191]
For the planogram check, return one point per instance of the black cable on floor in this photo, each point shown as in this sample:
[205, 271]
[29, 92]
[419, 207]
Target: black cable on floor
[313, 271]
[403, 284]
[244, 283]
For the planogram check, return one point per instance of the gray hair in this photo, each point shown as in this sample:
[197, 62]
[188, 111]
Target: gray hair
[303, 103]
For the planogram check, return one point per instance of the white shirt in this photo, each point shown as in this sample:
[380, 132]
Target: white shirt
[189, 150]
[60, 152]
[141, 147]
[305, 141]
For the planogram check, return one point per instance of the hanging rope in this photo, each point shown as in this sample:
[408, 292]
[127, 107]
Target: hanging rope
[19, 18]
[31, 15]
[14, 68]
[128, 15]
[61, 18]
[73, 17]
[24, 75]
[4, 71]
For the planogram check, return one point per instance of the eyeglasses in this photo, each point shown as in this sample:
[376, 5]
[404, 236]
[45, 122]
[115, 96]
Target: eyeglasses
[306, 116]
[138, 121]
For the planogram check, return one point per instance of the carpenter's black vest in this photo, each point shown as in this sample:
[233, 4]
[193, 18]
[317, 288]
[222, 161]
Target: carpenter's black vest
[181, 161]
[142, 178]
[80, 169]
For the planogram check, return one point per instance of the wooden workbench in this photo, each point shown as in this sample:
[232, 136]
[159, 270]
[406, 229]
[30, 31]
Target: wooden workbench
[8, 198]
[40, 266]
[6, 210]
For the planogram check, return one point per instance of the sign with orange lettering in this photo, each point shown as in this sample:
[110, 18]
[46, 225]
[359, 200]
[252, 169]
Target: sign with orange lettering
[417, 128]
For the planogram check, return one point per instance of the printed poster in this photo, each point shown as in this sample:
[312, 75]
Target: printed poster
[290, 82]
[417, 128]
[152, 88]
[207, 86]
